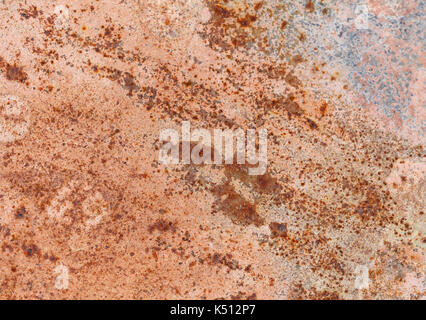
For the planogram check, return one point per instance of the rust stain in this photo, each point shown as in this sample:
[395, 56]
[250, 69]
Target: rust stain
[337, 215]
[13, 72]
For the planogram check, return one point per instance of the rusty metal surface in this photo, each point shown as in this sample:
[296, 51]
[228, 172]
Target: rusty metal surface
[87, 210]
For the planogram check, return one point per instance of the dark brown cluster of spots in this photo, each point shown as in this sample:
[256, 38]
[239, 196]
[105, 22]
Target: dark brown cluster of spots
[292, 80]
[147, 97]
[51, 257]
[13, 72]
[108, 43]
[288, 104]
[162, 225]
[312, 124]
[235, 206]
[230, 28]
[274, 71]
[292, 107]
[224, 259]
[110, 39]
[323, 109]
[262, 184]
[33, 186]
[371, 206]
[299, 292]
[128, 82]
[296, 59]
[282, 71]
[244, 296]
[278, 230]
[30, 12]
[20, 213]
[31, 250]
[246, 20]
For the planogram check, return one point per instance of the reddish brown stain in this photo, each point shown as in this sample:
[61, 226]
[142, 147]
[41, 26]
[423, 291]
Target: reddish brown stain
[20, 213]
[310, 7]
[292, 80]
[278, 229]
[232, 204]
[31, 250]
[13, 72]
[231, 28]
[300, 293]
[162, 225]
[30, 12]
